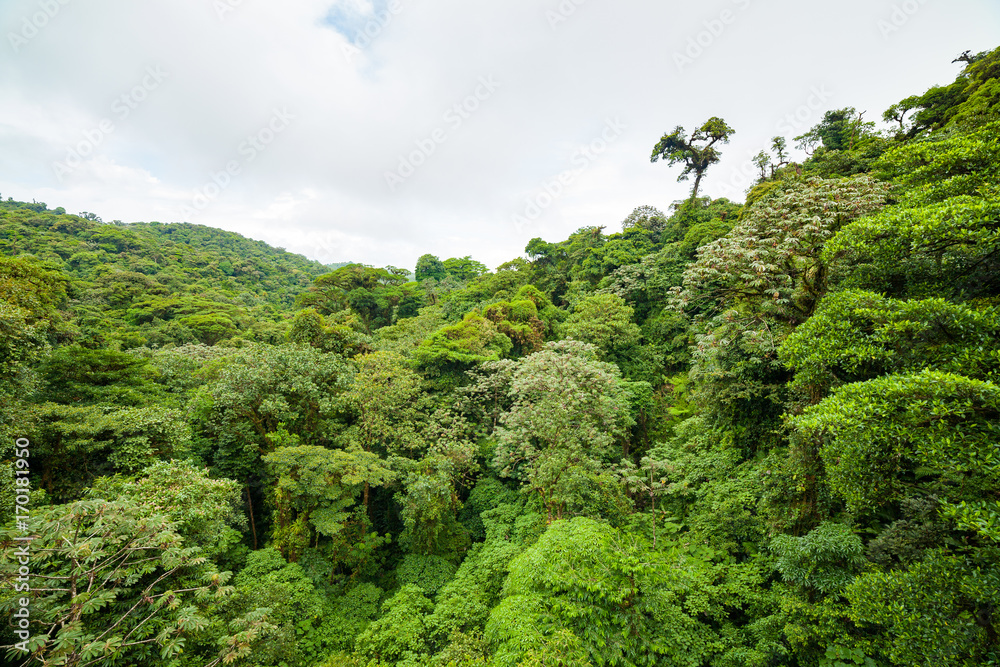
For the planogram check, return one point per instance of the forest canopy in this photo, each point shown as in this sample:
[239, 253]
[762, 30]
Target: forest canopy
[730, 434]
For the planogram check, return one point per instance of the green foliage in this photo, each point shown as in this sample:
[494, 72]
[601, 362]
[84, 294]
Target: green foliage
[339, 337]
[825, 560]
[450, 351]
[771, 259]
[74, 375]
[429, 573]
[429, 266]
[857, 335]
[206, 512]
[117, 274]
[260, 389]
[840, 130]
[569, 413]
[314, 490]
[36, 290]
[875, 434]
[77, 444]
[121, 587]
[645, 217]
[526, 320]
[970, 100]
[943, 166]
[299, 629]
[605, 321]
[464, 268]
[937, 612]
[21, 348]
[623, 603]
[706, 483]
[767, 438]
[429, 503]
[488, 493]
[381, 402]
[400, 635]
[464, 603]
[405, 335]
[373, 294]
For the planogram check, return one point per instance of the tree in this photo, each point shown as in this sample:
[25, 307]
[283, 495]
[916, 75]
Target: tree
[77, 443]
[206, 512]
[314, 491]
[21, 348]
[645, 217]
[111, 584]
[769, 166]
[454, 349]
[526, 319]
[840, 130]
[464, 268]
[857, 335]
[698, 153]
[605, 321]
[824, 561]
[429, 266]
[401, 632]
[620, 602]
[301, 625]
[382, 401]
[570, 411]
[772, 257]
[75, 375]
[873, 436]
[260, 395]
[374, 294]
[341, 333]
[939, 611]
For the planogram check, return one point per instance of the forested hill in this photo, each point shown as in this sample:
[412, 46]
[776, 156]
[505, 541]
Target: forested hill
[153, 283]
[759, 434]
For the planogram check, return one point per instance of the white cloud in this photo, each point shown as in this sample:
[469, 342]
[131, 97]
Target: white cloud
[319, 186]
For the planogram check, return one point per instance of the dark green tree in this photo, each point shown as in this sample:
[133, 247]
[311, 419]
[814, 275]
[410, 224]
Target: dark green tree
[697, 153]
[429, 266]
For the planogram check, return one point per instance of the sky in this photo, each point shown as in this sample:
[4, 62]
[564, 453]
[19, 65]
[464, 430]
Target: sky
[376, 131]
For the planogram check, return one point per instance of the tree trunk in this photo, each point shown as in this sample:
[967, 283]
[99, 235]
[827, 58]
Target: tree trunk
[253, 526]
[697, 184]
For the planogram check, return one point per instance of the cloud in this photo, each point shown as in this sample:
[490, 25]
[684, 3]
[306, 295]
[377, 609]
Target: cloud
[362, 100]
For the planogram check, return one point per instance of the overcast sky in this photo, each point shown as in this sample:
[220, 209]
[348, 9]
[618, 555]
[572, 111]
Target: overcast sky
[379, 130]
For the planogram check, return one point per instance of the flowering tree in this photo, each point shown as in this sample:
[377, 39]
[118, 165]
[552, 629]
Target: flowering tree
[570, 410]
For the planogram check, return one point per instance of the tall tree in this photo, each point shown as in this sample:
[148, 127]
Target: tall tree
[696, 153]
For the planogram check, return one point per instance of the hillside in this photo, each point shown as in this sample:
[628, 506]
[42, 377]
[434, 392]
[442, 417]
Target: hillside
[156, 284]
